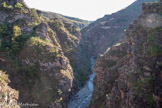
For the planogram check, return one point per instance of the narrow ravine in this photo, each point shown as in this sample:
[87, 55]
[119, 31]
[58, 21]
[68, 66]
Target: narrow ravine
[83, 97]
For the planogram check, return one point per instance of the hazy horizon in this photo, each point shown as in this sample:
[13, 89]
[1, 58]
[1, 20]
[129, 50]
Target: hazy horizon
[83, 9]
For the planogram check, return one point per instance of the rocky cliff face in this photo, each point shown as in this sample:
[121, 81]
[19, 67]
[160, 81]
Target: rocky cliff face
[8, 96]
[110, 29]
[68, 34]
[129, 75]
[69, 38]
[34, 51]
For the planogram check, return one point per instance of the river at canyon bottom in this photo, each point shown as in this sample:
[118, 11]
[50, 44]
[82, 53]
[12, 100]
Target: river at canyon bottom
[83, 97]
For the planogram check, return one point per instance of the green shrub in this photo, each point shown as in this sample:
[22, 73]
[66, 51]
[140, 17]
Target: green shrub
[0, 44]
[15, 47]
[16, 32]
[20, 8]
[18, 43]
[3, 5]
[57, 24]
[28, 70]
[5, 36]
[81, 76]
[19, 5]
[146, 83]
[31, 70]
[9, 7]
[11, 39]
[54, 54]
[3, 29]
[151, 39]
[140, 25]
[154, 50]
[151, 101]
[72, 29]
[35, 17]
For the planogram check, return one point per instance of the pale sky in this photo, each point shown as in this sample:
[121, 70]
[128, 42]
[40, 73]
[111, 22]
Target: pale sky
[83, 9]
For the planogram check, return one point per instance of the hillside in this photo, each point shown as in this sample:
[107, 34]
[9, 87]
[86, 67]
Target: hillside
[42, 57]
[129, 74]
[74, 21]
[49, 60]
[107, 31]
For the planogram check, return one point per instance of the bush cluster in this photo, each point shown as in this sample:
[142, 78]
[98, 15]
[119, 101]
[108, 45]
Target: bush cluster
[11, 38]
[4, 6]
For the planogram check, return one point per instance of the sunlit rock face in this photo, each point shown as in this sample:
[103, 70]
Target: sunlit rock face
[129, 76]
[42, 54]
[8, 96]
[35, 54]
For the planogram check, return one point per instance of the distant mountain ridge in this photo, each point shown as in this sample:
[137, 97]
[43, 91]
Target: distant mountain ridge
[107, 31]
[74, 21]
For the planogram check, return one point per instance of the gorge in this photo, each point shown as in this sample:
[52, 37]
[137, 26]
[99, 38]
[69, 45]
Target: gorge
[83, 97]
[56, 61]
